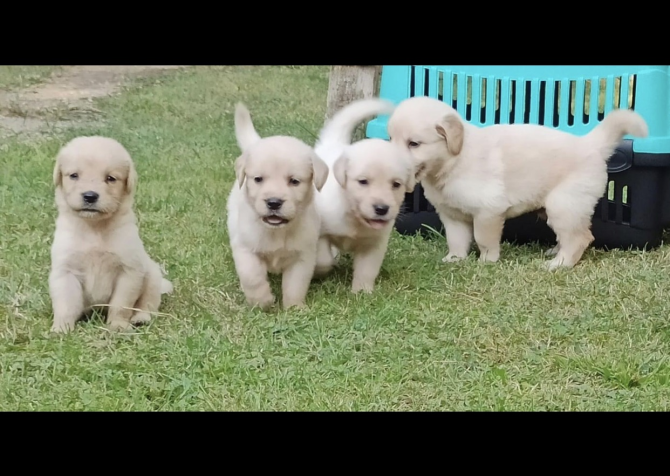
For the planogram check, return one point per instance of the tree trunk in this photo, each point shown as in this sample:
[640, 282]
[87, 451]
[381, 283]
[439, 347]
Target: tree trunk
[348, 83]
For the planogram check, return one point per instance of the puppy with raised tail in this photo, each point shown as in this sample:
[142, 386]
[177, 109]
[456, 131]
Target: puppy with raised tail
[477, 177]
[272, 220]
[97, 256]
[363, 194]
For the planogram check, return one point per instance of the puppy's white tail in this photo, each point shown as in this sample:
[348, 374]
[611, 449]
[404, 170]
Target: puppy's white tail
[341, 126]
[611, 130]
[245, 133]
[166, 286]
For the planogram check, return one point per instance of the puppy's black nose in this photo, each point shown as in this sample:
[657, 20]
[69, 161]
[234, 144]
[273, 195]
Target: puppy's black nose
[381, 209]
[274, 203]
[90, 197]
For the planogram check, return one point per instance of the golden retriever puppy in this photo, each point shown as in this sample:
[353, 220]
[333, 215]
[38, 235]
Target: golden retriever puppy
[363, 194]
[477, 177]
[272, 221]
[97, 256]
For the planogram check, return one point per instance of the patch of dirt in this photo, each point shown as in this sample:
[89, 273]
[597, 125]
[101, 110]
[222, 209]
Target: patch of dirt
[66, 98]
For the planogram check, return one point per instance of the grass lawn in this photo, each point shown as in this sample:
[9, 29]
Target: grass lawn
[12, 77]
[433, 336]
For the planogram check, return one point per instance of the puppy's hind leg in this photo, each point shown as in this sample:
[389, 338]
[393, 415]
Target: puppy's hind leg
[569, 215]
[67, 300]
[488, 233]
[127, 291]
[459, 238]
[324, 257]
[253, 276]
[150, 300]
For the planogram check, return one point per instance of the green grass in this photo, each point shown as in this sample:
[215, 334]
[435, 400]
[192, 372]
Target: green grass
[433, 336]
[12, 77]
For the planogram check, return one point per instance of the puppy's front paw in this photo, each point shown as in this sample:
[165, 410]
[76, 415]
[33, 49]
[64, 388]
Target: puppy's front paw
[366, 288]
[451, 258]
[489, 257]
[62, 327]
[119, 325]
[552, 251]
[556, 263]
[263, 302]
[140, 318]
[295, 304]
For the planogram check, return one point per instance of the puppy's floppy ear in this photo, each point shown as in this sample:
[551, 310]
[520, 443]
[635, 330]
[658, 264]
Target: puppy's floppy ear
[411, 180]
[451, 128]
[340, 170]
[320, 172]
[131, 180]
[58, 175]
[240, 165]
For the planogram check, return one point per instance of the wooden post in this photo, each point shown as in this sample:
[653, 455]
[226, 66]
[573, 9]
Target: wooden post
[350, 82]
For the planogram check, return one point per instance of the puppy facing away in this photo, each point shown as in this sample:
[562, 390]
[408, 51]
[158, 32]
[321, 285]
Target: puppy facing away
[477, 177]
[363, 194]
[97, 256]
[272, 220]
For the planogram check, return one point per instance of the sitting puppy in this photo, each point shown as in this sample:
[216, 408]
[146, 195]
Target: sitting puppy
[478, 177]
[363, 194]
[272, 221]
[97, 256]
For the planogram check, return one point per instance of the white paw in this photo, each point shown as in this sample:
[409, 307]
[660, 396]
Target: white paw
[452, 258]
[140, 318]
[554, 264]
[62, 327]
[263, 302]
[362, 288]
[489, 257]
[118, 325]
[552, 251]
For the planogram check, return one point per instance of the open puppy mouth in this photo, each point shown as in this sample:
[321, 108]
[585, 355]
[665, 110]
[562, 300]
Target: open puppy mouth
[91, 211]
[377, 223]
[274, 220]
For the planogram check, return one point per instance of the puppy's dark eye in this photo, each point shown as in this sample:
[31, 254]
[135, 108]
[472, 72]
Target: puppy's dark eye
[258, 179]
[74, 176]
[294, 182]
[411, 144]
[363, 182]
[396, 184]
[110, 179]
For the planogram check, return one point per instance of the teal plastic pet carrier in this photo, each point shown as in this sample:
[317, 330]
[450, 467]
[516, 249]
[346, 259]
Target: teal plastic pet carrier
[635, 207]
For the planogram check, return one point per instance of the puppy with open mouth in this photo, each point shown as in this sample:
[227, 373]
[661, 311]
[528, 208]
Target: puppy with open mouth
[477, 177]
[97, 256]
[273, 225]
[363, 194]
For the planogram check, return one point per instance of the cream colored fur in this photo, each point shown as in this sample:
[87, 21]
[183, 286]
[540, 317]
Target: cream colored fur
[97, 256]
[364, 176]
[478, 177]
[274, 170]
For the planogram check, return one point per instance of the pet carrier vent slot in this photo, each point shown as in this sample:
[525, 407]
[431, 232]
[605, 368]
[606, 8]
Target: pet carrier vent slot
[617, 209]
[543, 97]
[482, 104]
[469, 98]
[512, 101]
[556, 106]
[440, 85]
[496, 118]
